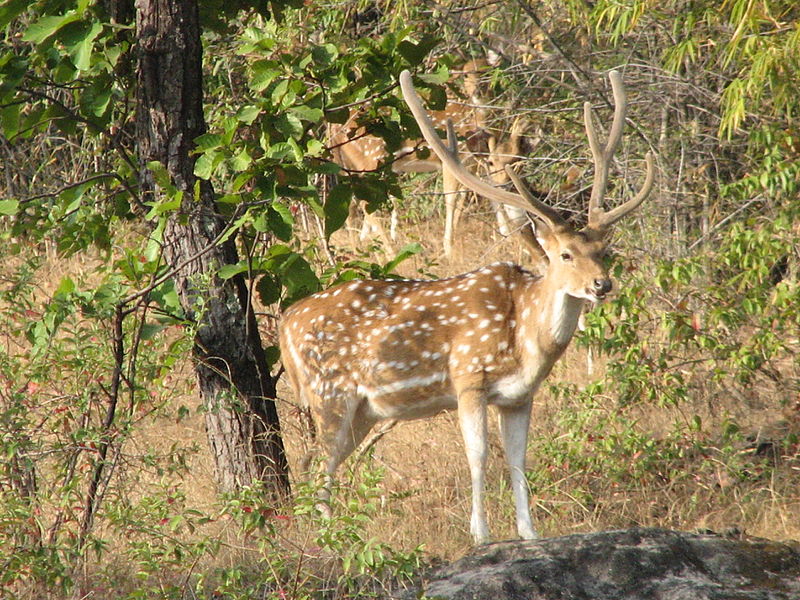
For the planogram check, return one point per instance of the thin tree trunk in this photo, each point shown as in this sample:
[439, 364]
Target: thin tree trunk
[235, 385]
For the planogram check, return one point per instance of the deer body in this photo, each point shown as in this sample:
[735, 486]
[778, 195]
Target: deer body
[406, 349]
[368, 351]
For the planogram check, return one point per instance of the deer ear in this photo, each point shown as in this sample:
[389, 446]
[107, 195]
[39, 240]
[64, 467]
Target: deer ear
[542, 233]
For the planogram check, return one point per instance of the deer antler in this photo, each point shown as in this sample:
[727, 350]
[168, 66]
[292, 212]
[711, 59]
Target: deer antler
[450, 160]
[598, 218]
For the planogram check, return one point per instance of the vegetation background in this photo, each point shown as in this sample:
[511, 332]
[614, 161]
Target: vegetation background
[678, 406]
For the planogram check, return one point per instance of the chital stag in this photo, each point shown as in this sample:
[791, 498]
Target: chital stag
[367, 351]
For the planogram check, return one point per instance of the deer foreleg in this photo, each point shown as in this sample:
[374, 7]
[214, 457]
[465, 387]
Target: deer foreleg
[514, 422]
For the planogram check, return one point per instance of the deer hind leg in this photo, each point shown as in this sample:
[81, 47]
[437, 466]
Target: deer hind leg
[454, 195]
[472, 419]
[371, 228]
[514, 422]
[341, 438]
[503, 223]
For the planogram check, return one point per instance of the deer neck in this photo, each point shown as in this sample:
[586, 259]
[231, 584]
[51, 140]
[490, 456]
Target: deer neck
[555, 316]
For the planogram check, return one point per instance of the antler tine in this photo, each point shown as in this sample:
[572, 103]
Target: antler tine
[546, 213]
[607, 219]
[598, 218]
[451, 161]
[602, 157]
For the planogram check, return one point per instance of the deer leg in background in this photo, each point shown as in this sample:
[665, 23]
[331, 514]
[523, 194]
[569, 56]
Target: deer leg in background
[371, 227]
[454, 199]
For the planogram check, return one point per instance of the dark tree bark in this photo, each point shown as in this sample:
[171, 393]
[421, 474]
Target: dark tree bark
[233, 375]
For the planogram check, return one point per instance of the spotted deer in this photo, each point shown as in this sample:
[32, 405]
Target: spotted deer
[363, 352]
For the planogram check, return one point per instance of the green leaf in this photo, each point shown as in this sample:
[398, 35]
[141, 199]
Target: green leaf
[299, 278]
[228, 271]
[405, 253]
[324, 55]
[289, 125]
[280, 151]
[79, 40]
[280, 221]
[315, 148]
[208, 141]
[307, 113]
[206, 163]
[272, 354]
[416, 53]
[66, 287]
[242, 161]
[248, 114]
[264, 73]
[160, 174]
[151, 330]
[9, 207]
[62, 119]
[47, 26]
[167, 204]
[96, 98]
[269, 289]
[337, 207]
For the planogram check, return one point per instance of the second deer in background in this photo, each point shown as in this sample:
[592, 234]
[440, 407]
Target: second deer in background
[357, 151]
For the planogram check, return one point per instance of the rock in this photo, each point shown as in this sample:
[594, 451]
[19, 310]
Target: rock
[634, 564]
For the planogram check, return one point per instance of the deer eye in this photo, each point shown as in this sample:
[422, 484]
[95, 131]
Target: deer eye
[566, 256]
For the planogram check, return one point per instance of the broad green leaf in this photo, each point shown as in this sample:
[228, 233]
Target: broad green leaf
[96, 98]
[280, 221]
[47, 26]
[169, 204]
[248, 114]
[9, 120]
[9, 207]
[315, 148]
[324, 55]
[79, 40]
[62, 119]
[208, 141]
[405, 253]
[264, 73]
[298, 277]
[289, 125]
[160, 174]
[269, 289]
[307, 113]
[438, 77]
[415, 53]
[65, 287]
[206, 163]
[281, 151]
[151, 330]
[337, 206]
[228, 271]
[242, 161]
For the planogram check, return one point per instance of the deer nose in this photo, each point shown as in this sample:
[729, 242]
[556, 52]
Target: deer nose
[602, 286]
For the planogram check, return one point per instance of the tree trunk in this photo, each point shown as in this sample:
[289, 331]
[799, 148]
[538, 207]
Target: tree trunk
[232, 372]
